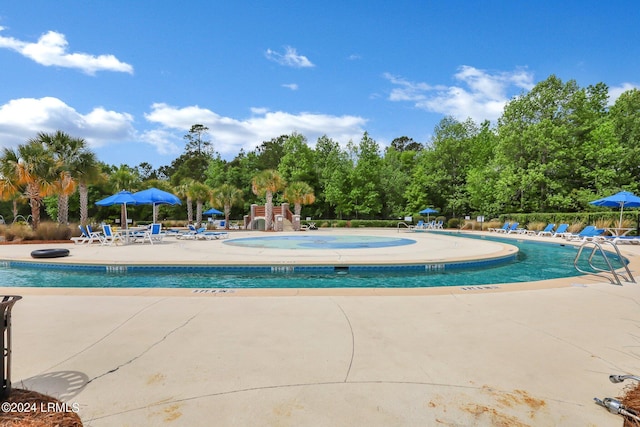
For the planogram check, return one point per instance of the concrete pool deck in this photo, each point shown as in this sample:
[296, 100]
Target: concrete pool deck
[533, 354]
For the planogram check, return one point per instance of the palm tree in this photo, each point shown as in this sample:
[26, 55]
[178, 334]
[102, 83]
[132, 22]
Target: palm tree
[299, 193]
[89, 172]
[9, 187]
[226, 195]
[199, 192]
[35, 173]
[124, 178]
[183, 191]
[72, 155]
[264, 185]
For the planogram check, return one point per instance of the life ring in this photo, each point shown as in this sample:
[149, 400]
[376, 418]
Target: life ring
[50, 253]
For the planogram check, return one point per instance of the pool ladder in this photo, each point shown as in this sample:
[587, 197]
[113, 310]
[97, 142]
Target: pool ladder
[610, 272]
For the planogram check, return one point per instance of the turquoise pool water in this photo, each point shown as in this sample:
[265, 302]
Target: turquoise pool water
[536, 261]
[318, 241]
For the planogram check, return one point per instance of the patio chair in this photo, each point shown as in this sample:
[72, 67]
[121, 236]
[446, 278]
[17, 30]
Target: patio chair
[192, 233]
[152, 234]
[590, 232]
[502, 229]
[212, 235]
[110, 237]
[94, 236]
[83, 238]
[420, 225]
[513, 228]
[561, 231]
[548, 230]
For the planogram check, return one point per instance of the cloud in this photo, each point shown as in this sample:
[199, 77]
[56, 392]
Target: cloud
[229, 135]
[289, 58]
[165, 142]
[22, 119]
[51, 50]
[481, 95]
[616, 91]
[292, 86]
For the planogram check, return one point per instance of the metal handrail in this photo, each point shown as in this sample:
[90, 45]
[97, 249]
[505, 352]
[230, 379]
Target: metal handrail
[597, 247]
[403, 223]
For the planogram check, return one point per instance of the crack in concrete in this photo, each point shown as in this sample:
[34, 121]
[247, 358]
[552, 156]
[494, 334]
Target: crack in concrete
[149, 348]
[328, 383]
[111, 332]
[353, 340]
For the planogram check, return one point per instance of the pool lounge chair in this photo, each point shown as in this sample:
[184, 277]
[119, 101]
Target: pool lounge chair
[212, 235]
[83, 238]
[625, 240]
[192, 233]
[420, 225]
[548, 231]
[513, 228]
[590, 232]
[110, 237]
[94, 236]
[561, 231]
[504, 227]
[152, 234]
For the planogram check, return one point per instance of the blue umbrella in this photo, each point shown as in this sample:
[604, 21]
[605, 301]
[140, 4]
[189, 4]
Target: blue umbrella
[154, 196]
[123, 198]
[212, 211]
[621, 199]
[427, 211]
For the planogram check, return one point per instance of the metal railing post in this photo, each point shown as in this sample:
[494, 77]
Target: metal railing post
[5, 342]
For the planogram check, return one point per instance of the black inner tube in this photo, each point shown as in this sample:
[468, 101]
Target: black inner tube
[50, 253]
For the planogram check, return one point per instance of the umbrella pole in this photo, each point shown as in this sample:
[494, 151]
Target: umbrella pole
[621, 209]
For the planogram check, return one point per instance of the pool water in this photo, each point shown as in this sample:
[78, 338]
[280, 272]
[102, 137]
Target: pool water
[318, 241]
[536, 261]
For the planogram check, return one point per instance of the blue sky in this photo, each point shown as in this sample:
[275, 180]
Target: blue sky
[131, 77]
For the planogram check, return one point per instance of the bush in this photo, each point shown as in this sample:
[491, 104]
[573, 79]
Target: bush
[536, 225]
[492, 224]
[45, 231]
[453, 223]
[16, 232]
[52, 231]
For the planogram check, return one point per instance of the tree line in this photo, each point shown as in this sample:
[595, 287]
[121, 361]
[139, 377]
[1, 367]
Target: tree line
[554, 149]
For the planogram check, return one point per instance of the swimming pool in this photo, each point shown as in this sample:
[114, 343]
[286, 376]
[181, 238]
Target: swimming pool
[535, 261]
[319, 241]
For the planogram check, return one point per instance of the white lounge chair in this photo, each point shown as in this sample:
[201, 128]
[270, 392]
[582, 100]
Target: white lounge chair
[212, 235]
[110, 237]
[152, 234]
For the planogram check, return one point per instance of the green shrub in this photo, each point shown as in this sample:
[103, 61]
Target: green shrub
[453, 223]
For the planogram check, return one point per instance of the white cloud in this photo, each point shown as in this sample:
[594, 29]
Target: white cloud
[22, 119]
[289, 58]
[481, 96]
[230, 135]
[51, 50]
[292, 86]
[165, 142]
[616, 91]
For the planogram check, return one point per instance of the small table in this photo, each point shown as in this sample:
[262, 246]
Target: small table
[128, 232]
[619, 231]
